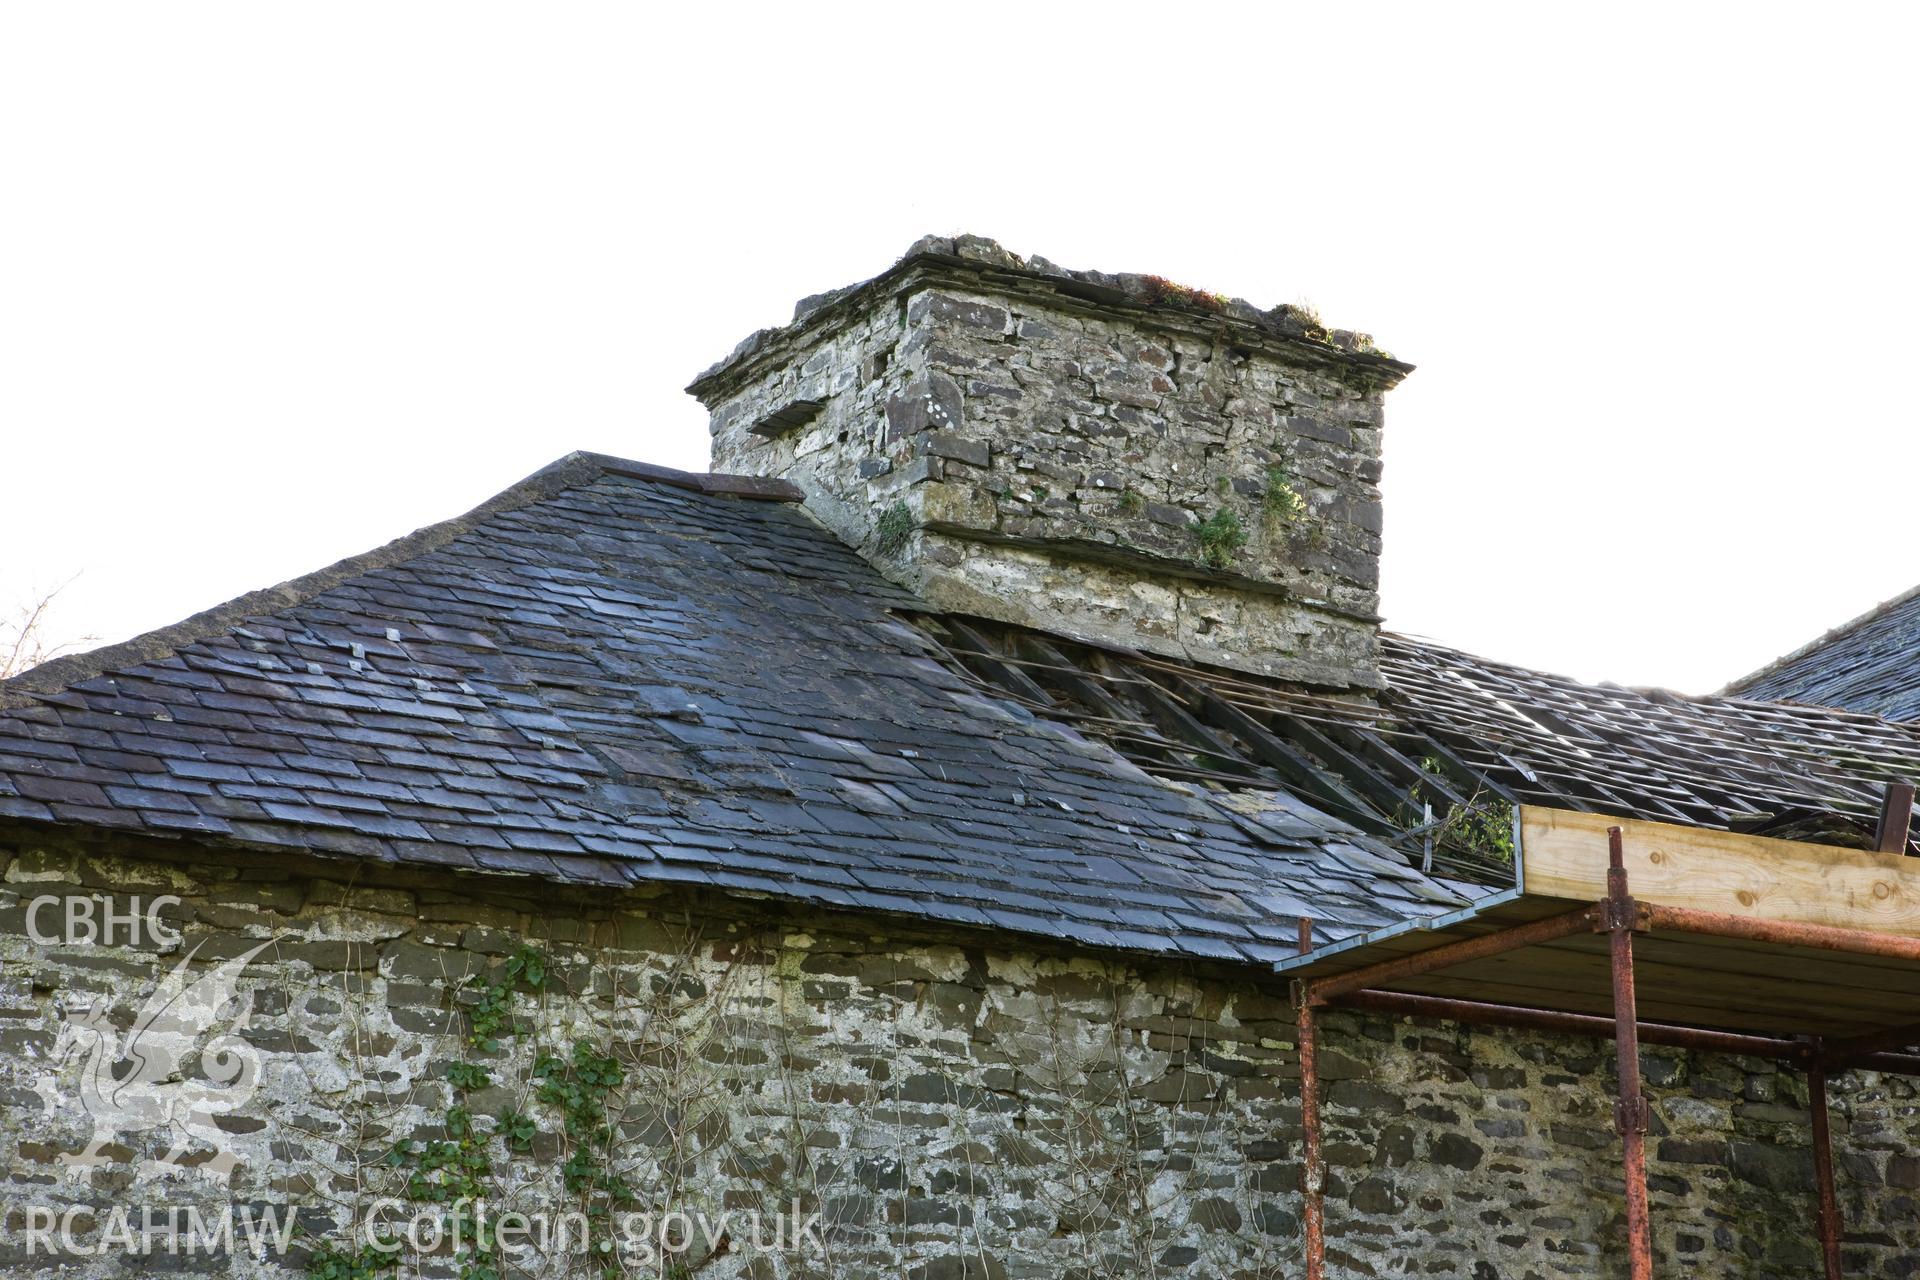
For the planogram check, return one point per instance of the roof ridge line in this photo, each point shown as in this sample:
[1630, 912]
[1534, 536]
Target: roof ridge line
[724, 484]
[557, 476]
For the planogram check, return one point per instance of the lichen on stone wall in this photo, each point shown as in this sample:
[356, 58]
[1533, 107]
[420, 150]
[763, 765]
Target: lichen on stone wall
[950, 1104]
[936, 1108]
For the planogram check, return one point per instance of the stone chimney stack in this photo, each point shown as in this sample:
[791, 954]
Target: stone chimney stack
[1116, 458]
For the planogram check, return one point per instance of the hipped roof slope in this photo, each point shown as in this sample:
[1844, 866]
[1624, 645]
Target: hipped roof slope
[1871, 665]
[617, 674]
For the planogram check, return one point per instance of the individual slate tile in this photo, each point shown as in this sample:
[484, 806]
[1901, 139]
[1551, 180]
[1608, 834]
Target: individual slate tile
[307, 815]
[199, 823]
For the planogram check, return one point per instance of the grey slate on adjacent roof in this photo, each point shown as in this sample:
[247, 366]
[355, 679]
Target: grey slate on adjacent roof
[1871, 664]
[614, 673]
[1715, 761]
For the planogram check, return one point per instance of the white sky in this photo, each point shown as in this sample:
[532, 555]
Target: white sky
[279, 283]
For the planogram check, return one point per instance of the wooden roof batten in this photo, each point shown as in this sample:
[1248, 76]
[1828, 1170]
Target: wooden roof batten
[1434, 765]
[1634, 931]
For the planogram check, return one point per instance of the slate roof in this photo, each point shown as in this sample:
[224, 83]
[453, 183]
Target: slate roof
[1871, 664]
[1714, 761]
[1467, 736]
[617, 674]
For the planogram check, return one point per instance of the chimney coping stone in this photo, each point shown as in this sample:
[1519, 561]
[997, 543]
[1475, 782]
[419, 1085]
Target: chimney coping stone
[1284, 326]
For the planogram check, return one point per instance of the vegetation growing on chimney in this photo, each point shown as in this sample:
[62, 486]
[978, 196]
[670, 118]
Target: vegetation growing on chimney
[1162, 290]
[1220, 535]
[895, 527]
[1282, 501]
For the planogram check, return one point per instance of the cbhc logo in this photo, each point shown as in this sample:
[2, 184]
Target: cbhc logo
[95, 919]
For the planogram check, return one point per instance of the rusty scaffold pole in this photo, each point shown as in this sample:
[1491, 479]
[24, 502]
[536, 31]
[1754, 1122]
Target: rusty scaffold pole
[1313, 1169]
[1620, 919]
[1785, 933]
[1829, 1213]
[1310, 996]
[1313, 1174]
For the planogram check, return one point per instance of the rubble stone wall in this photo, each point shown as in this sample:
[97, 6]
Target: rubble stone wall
[952, 1106]
[1118, 458]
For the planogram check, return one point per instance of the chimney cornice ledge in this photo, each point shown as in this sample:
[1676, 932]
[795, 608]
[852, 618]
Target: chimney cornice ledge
[1284, 330]
[1089, 551]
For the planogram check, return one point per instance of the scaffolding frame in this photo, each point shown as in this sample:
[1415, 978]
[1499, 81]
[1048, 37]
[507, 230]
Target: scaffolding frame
[1620, 917]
